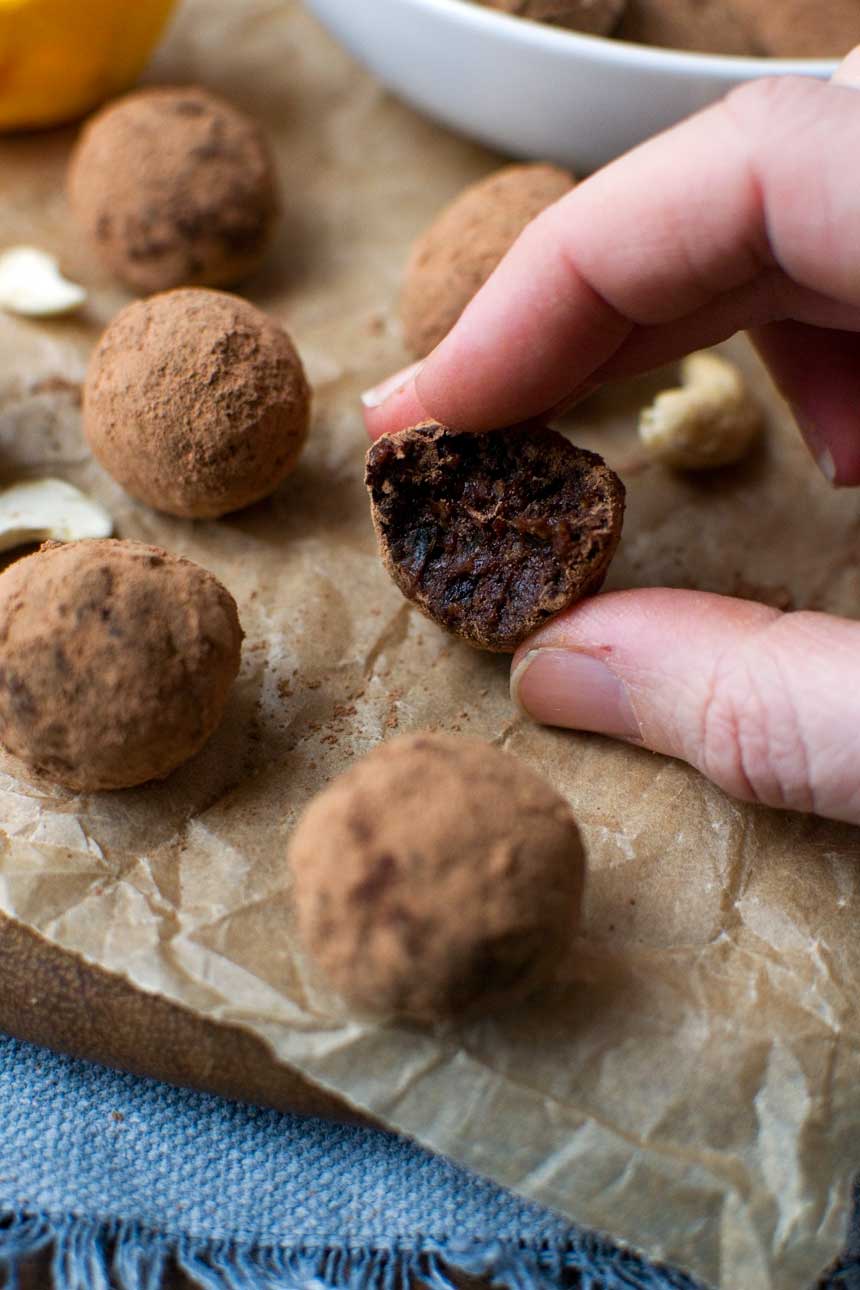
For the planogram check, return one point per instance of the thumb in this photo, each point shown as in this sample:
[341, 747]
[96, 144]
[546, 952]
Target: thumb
[765, 704]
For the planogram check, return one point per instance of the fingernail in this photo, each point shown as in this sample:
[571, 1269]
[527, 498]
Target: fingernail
[559, 687]
[814, 440]
[373, 398]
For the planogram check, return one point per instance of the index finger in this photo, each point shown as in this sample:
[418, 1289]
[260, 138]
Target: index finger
[757, 184]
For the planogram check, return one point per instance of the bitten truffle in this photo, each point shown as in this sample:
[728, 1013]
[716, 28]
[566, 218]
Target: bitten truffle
[438, 876]
[175, 187]
[116, 659]
[491, 534]
[463, 245]
[196, 402]
[595, 16]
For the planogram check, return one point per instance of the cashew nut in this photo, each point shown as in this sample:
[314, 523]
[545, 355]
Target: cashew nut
[38, 510]
[31, 284]
[710, 421]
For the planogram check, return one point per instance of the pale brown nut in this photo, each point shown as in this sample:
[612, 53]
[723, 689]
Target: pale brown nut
[116, 660]
[702, 26]
[595, 17]
[452, 260]
[492, 534]
[175, 187]
[438, 876]
[711, 420]
[196, 402]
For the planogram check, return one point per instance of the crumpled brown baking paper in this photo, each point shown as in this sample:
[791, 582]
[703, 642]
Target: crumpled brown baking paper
[692, 1088]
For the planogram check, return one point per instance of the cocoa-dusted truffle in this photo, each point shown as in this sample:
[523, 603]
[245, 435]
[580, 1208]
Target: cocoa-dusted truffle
[801, 28]
[196, 402]
[491, 534]
[595, 16]
[437, 876]
[707, 26]
[175, 187]
[463, 245]
[115, 661]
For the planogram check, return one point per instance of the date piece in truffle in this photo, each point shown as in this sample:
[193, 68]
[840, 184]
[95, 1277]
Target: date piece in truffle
[196, 402]
[491, 534]
[597, 17]
[438, 876]
[463, 245]
[115, 661]
[706, 26]
[175, 187]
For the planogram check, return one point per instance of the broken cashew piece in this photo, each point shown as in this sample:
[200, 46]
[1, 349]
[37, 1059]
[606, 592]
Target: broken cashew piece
[40, 510]
[31, 284]
[710, 421]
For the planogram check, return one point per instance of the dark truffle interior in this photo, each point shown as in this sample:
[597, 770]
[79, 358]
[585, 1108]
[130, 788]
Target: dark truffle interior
[490, 534]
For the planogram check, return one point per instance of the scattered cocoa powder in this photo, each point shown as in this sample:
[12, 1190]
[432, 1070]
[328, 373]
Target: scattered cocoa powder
[196, 402]
[116, 659]
[174, 187]
[491, 534]
[437, 876]
[463, 245]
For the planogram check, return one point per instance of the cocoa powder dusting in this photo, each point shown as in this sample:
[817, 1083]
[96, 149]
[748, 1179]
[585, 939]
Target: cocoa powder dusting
[116, 659]
[437, 876]
[598, 17]
[196, 402]
[463, 245]
[175, 187]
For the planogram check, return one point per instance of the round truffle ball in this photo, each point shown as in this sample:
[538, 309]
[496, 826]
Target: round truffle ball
[196, 402]
[707, 26]
[436, 877]
[597, 17]
[175, 187]
[116, 659]
[798, 29]
[463, 245]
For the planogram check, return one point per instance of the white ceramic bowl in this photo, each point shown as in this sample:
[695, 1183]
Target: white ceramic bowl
[529, 89]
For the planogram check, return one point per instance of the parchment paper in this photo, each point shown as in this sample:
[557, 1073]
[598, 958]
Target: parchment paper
[691, 1087]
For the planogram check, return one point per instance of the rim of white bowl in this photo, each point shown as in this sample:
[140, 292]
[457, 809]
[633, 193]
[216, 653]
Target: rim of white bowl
[625, 52]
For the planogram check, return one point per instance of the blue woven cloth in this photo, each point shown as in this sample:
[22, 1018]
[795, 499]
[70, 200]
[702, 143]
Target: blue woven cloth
[119, 1176]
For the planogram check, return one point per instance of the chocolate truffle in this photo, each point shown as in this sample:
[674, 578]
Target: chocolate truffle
[706, 26]
[800, 28]
[463, 245]
[595, 16]
[438, 876]
[115, 661]
[196, 402]
[491, 534]
[174, 187]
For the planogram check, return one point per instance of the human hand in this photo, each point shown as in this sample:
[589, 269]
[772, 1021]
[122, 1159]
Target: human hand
[747, 216]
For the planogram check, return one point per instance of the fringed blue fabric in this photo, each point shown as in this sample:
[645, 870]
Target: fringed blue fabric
[113, 1179]
[88, 1255]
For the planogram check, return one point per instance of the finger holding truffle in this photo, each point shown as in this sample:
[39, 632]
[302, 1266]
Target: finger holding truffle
[175, 187]
[196, 402]
[116, 660]
[438, 877]
[492, 534]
